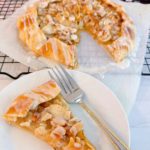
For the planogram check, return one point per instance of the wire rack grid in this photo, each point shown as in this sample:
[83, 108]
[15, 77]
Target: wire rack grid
[146, 65]
[8, 66]
[13, 69]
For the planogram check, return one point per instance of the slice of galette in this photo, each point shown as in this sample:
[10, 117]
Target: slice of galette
[44, 113]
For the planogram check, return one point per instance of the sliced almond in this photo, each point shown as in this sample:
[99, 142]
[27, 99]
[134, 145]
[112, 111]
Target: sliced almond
[74, 37]
[48, 29]
[25, 124]
[58, 132]
[76, 128]
[59, 121]
[46, 116]
[41, 130]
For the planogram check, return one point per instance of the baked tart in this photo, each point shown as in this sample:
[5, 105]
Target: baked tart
[51, 28]
[43, 112]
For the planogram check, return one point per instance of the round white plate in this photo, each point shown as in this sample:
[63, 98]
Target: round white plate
[98, 96]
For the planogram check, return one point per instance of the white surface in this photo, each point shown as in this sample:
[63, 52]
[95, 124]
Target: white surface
[140, 117]
[125, 86]
[88, 49]
[4, 83]
[99, 96]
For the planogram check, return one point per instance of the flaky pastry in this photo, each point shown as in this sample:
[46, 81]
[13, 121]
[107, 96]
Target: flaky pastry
[43, 112]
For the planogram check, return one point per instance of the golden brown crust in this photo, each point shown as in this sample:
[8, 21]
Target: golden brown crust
[44, 113]
[23, 103]
[33, 37]
[120, 48]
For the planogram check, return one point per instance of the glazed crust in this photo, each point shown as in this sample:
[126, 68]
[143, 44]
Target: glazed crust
[43, 112]
[23, 103]
[34, 38]
[120, 48]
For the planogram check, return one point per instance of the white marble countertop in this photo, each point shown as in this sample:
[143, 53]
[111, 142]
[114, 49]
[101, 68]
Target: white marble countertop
[139, 117]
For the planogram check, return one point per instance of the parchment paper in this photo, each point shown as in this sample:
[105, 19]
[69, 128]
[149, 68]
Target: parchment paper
[92, 58]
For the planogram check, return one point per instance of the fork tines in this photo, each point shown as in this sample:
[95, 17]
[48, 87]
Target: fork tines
[63, 79]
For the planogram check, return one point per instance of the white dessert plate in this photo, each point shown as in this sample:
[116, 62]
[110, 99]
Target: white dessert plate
[98, 96]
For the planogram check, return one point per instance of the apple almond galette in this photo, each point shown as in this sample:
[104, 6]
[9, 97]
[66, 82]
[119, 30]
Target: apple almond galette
[43, 112]
[51, 28]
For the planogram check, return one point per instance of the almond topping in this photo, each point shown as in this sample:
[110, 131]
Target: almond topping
[75, 129]
[25, 124]
[41, 130]
[46, 116]
[74, 37]
[59, 121]
[58, 132]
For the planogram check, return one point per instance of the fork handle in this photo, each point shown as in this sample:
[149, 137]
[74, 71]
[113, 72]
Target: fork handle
[114, 139]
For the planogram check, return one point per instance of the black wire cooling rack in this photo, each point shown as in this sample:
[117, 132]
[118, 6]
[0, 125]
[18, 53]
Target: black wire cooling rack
[146, 65]
[8, 66]
[13, 69]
